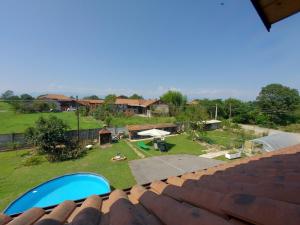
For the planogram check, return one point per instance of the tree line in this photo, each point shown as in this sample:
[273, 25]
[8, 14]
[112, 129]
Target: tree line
[275, 105]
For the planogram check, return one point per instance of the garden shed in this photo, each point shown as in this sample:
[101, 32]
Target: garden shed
[276, 141]
[212, 124]
[105, 136]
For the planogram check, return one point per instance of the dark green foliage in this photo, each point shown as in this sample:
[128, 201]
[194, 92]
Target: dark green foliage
[110, 99]
[136, 96]
[206, 139]
[7, 94]
[33, 106]
[174, 98]
[83, 111]
[92, 97]
[278, 102]
[49, 135]
[32, 160]
[26, 97]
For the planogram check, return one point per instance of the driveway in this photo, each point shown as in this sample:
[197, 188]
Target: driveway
[260, 130]
[161, 167]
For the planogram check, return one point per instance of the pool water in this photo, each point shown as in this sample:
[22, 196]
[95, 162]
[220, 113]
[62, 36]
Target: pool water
[69, 187]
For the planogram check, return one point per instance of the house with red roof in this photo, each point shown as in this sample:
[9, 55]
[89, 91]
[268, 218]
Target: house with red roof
[138, 106]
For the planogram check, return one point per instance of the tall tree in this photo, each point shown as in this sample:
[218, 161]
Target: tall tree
[7, 94]
[175, 98]
[26, 97]
[278, 102]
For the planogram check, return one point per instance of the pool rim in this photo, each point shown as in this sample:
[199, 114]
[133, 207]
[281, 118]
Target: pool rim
[68, 174]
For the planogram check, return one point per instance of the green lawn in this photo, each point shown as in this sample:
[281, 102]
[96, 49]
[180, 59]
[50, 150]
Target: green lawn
[179, 144]
[15, 178]
[123, 121]
[12, 122]
[228, 139]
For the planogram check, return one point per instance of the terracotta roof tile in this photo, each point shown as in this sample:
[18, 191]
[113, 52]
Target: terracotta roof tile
[61, 212]
[29, 217]
[260, 210]
[88, 213]
[135, 102]
[4, 219]
[165, 208]
[262, 190]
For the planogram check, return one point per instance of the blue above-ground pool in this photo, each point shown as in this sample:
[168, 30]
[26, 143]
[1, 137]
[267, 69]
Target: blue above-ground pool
[68, 187]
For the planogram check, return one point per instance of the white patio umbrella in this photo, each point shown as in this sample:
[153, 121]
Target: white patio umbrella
[154, 133]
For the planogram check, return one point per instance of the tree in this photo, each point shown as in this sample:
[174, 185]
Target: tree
[175, 98]
[110, 99]
[278, 102]
[211, 104]
[91, 97]
[176, 101]
[49, 135]
[193, 117]
[232, 107]
[136, 96]
[7, 94]
[26, 97]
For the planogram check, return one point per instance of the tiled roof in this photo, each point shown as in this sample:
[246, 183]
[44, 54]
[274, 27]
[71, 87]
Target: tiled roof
[56, 97]
[149, 126]
[88, 102]
[261, 190]
[135, 102]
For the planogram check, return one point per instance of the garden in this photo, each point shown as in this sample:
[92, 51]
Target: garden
[179, 144]
[18, 174]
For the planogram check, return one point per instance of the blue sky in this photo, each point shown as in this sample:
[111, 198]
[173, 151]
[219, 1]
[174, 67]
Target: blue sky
[98, 47]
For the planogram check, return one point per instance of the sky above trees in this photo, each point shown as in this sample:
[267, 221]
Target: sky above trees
[201, 48]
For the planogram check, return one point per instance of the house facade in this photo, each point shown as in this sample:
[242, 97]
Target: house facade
[62, 102]
[136, 106]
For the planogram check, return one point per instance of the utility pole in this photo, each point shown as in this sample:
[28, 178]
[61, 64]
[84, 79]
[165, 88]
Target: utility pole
[216, 113]
[230, 111]
[77, 112]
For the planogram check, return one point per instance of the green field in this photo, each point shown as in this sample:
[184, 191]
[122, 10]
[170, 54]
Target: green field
[228, 139]
[15, 178]
[12, 122]
[123, 121]
[179, 144]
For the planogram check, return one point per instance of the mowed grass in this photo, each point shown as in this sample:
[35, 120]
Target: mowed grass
[12, 122]
[15, 178]
[179, 144]
[123, 121]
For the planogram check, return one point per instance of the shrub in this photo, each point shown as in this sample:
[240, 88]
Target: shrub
[206, 139]
[49, 135]
[32, 160]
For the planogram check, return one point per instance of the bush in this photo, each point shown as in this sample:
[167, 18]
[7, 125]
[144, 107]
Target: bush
[49, 135]
[32, 160]
[206, 139]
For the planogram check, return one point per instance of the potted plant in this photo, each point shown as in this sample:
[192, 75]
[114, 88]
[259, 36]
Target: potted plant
[233, 154]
